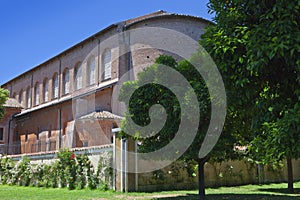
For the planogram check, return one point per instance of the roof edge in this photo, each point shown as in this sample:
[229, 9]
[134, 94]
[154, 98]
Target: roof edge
[63, 52]
[157, 14]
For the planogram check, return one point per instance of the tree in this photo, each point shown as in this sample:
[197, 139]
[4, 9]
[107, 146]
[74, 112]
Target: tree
[3, 98]
[255, 44]
[177, 108]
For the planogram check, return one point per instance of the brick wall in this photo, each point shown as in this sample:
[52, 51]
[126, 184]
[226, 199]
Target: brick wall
[48, 125]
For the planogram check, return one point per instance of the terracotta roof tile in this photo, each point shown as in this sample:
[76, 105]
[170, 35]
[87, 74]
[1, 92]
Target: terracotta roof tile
[154, 14]
[101, 115]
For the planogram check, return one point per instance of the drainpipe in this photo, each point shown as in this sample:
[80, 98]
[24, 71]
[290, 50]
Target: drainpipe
[31, 93]
[60, 126]
[99, 64]
[59, 81]
[8, 137]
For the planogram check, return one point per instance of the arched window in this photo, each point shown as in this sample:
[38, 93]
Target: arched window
[37, 94]
[46, 90]
[78, 77]
[107, 64]
[91, 71]
[21, 99]
[28, 98]
[66, 81]
[55, 86]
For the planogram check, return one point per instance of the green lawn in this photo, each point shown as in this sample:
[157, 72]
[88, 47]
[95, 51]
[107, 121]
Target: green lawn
[248, 192]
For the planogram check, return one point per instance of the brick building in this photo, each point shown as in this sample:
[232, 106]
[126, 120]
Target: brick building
[67, 100]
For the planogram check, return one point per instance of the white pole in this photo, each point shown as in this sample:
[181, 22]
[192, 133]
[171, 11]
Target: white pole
[136, 167]
[114, 161]
[126, 165]
[121, 166]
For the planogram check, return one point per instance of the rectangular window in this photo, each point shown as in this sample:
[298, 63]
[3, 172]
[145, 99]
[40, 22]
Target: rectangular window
[1, 134]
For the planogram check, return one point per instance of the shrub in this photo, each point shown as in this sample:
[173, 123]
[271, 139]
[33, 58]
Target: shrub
[6, 166]
[68, 171]
[22, 173]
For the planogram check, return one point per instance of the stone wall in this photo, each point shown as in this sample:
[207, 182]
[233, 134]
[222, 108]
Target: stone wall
[176, 176]
[94, 154]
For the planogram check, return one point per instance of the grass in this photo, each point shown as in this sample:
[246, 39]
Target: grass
[247, 192]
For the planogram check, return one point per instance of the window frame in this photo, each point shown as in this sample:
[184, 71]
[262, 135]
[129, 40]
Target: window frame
[21, 96]
[2, 134]
[37, 94]
[46, 90]
[91, 71]
[78, 83]
[55, 86]
[107, 64]
[28, 98]
[66, 84]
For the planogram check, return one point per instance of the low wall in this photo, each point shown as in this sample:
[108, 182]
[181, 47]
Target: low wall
[177, 175]
[94, 154]
[180, 175]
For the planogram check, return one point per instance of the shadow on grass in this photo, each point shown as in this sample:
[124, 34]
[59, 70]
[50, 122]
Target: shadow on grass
[233, 197]
[279, 190]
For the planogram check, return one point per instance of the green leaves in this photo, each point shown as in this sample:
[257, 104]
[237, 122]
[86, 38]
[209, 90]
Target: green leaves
[68, 171]
[3, 98]
[256, 46]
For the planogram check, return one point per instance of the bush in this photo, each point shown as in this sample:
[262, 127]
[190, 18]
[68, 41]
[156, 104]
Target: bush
[6, 172]
[22, 172]
[70, 170]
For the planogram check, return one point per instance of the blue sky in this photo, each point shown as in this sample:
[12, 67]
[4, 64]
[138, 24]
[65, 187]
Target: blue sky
[32, 31]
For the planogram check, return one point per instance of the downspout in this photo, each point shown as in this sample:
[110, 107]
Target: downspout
[59, 77]
[99, 64]
[8, 137]
[60, 126]
[59, 110]
[31, 93]
[126, 35]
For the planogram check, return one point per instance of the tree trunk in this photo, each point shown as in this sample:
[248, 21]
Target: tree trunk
[201, 185]
[290, 175]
